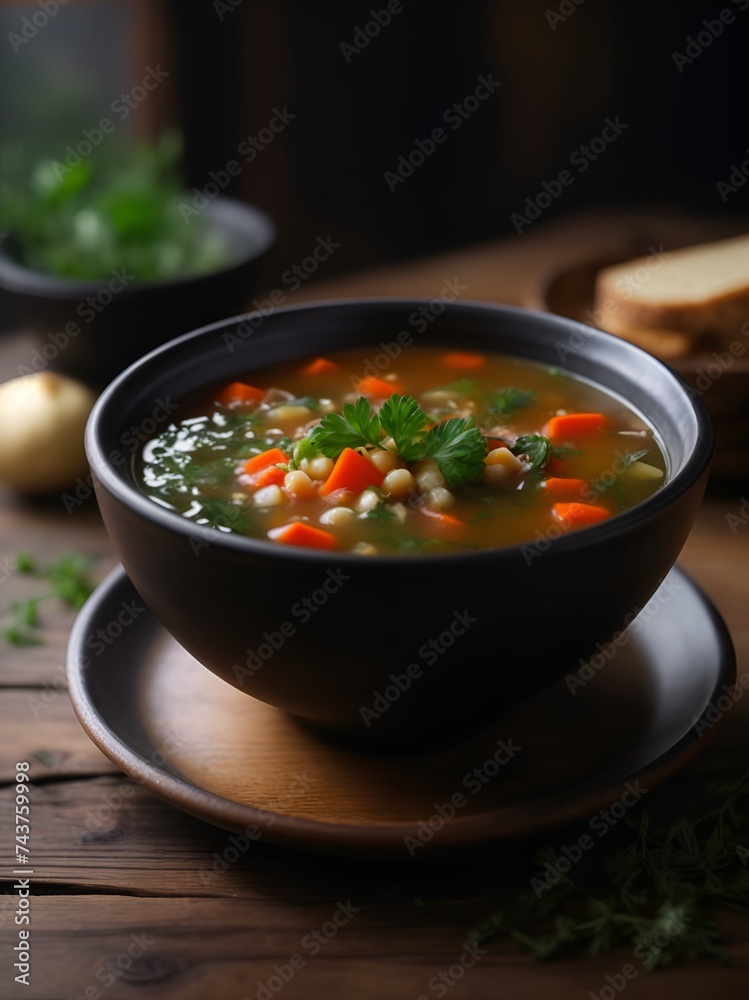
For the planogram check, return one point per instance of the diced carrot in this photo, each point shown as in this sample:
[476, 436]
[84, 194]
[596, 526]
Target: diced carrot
[493, 443]
[556, 466]
[564, 489]
[377, 387]
[273, 456]
[443, 521]
[270, 476]
[320, 366]
[309, 537]
[578, 515]
[239, 392]
[352, 471]
[575, 425]
[463, 361]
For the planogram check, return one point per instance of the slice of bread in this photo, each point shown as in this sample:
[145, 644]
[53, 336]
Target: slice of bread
[700, 292]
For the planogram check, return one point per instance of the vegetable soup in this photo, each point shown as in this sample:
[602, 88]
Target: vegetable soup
[444, 451]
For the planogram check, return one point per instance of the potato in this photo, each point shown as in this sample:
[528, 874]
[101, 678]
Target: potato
[42, 420]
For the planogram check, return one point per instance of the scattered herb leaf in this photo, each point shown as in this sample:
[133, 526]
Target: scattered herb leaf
[356, 427]
[504, 402]
[403, 419]
[458, 448]
[535, 447]
[655, 895]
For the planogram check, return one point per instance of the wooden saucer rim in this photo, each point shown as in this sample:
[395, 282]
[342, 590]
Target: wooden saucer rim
[374, 838]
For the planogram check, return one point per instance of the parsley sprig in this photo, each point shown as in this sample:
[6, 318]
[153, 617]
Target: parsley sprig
[456, 445]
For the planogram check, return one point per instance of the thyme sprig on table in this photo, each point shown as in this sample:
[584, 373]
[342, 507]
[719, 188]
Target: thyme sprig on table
[657, 895]
[69, 582]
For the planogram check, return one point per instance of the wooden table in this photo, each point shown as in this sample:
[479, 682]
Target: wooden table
[121, 877]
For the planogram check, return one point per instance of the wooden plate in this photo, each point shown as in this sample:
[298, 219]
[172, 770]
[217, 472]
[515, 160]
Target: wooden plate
[721, 382]
[238, 763]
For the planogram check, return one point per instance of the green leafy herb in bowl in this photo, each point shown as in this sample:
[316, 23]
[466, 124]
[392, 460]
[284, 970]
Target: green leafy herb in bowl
[88, 220]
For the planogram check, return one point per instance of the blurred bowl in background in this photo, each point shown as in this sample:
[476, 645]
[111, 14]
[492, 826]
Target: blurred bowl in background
[92, 330]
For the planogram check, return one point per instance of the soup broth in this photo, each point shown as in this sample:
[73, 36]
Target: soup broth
[442, 451]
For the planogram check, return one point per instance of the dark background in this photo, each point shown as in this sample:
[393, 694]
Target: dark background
[232, 63]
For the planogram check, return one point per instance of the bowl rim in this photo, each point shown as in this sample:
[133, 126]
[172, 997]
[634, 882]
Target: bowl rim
[19, 279]
[117, 482]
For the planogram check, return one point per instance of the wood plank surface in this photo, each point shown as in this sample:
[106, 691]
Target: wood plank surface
[114, 863]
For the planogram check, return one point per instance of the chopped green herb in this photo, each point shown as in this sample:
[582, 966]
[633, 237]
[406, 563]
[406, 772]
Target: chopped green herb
[456, 445]
[356, 427]
[403, 419]
[535, 447]
[382, 513]
[655, 895]
[458, 448]
[504, 402]
[305, 448]
[564, 451]
[307, 401]
[463, 387]
[70, 584]
[25, 563]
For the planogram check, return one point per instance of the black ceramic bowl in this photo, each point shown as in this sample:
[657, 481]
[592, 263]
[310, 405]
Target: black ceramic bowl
[92, 330]
[234, 602]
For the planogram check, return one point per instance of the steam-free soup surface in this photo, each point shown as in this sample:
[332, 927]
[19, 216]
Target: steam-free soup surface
[437, 451]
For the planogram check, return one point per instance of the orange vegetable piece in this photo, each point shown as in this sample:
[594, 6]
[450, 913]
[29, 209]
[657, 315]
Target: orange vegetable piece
[320, 366]
[556, 466]
[352, 471]
[575, 425]
[377, 387]
[270, 476]
[299, 533]
[463, 361]
[273, 456]
[239, 392]
[443, 521]
[564, 489]
[579, 515]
